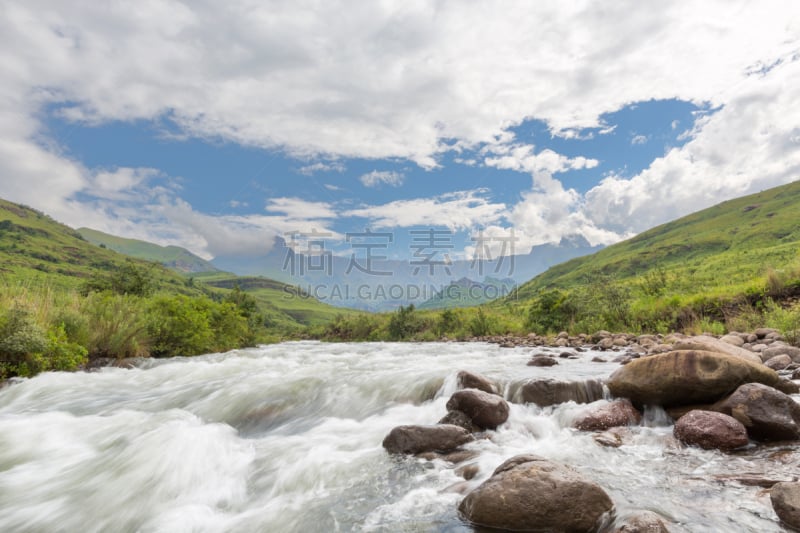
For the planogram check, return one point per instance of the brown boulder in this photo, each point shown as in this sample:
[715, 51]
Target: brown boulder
[609, 415]
[528, 493]
[419, 439]
[785, 498]
[545, 392]
[542, 361]
[469, 380]
[710, 344]
[641, 522]
[710, 430]
[779, 362]
[460, 419]
[686, 377]
[486, 411]
[768, 414]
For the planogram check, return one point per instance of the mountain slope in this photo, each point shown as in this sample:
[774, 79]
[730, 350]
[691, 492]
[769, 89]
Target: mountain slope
[173, 257]
[722, 248]
[35, 248]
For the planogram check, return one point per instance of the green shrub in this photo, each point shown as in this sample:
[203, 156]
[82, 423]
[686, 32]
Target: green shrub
[179, 325]
[404, 323]
[117, 325]
[481, 324]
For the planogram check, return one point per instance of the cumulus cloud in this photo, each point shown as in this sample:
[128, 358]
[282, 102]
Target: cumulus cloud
[639, 139]
[458, 211]
[407, 81]
[382, 177]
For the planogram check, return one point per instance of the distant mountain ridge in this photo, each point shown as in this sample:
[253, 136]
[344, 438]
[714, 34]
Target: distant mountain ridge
[173, 257]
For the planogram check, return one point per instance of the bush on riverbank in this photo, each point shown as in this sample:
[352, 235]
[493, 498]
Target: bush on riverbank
[45, 329]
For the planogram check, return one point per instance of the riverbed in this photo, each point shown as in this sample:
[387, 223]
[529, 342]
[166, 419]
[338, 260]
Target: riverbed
[287, 437]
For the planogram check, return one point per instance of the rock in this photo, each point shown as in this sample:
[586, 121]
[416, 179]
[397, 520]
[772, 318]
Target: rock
[486, 410]
[751, 338]
[469, 380]
[609, 439]
[530, 493]
[545, 392]
[686, 377]
[675, 413]
[598, 359]
[785, 498]
[767, 413]
[781, 349]
[542, 361]
[468, 471]
[641, 522]
[710, 430]
[710, 344]
[796, 374]
[606, 344]
[779, 362]
[460, 419]
[608, 415]
[763, 332]
[736, 340]
[758, 348]
[419, 439]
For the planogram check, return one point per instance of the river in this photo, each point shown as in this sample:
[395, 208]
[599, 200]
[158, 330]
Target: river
[287, 438]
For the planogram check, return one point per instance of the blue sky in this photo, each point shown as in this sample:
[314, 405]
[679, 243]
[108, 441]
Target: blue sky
[220, 127]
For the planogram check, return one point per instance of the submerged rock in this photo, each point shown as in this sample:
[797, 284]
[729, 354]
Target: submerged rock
[785, 498]
[419, 439]
[710, 430]
[686, 377]
[528, 493]
[542, 361]
[609, 415]
[485, 410]
[545, 392]
[641, 522]
[768, 414]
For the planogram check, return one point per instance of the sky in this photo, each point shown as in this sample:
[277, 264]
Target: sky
[219, 126]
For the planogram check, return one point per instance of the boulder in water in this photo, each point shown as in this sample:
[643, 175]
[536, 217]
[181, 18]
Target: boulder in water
[542, 361]
[528, 493]
[419, 439]
[459, 418]
[768, 414]
[545, 392]
[785, 498]
[710, 344]
[485, 410]
[641, 522]
[608, 415]
[779, 362]
[470, 380]
[710, 430]
[686, 377]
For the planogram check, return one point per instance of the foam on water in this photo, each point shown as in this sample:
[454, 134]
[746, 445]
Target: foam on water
[288, 438]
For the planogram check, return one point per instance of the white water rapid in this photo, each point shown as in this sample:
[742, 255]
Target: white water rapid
[287, 438]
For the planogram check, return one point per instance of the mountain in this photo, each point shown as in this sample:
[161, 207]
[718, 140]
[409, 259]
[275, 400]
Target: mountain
[35, 248]
[723, 251]
[173, 257]
[466, 292]
[345, 281]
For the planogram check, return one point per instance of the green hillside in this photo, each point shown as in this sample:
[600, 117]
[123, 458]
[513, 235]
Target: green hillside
[173, 257]
[284, 304]
[707, 264]
[35, 249]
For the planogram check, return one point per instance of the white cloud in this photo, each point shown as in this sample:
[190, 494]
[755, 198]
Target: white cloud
[382, 177]
[639, 139]
[395, 80]
[299, 209]
[310, 170]
[520, 157]
[457, 211]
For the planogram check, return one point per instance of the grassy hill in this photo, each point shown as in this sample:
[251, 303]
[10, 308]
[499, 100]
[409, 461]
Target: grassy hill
[706, 264]
[173, 257]
[35, 249]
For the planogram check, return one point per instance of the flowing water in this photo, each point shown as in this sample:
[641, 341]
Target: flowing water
[287, 438]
